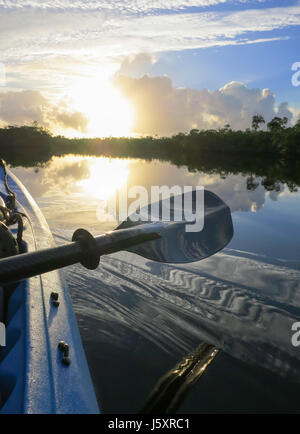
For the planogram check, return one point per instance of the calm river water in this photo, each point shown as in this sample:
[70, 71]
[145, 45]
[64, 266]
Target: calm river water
[139, 318]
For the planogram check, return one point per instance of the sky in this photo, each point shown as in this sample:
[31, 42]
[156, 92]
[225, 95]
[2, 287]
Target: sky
[100, 67]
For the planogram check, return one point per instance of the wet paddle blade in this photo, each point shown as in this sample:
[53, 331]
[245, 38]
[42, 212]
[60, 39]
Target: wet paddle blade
[176, 244]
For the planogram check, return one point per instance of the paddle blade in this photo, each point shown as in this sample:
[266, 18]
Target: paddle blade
[176, 244]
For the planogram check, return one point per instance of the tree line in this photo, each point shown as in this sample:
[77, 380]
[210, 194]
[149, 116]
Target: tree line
[272, 153]
[278, 139]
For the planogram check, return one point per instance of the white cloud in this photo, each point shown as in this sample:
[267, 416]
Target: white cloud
[108, 32]
[132, 6]
[162, 109]
[132, 65]
[19, 107]
[296, 114]
[187, 31]
[26, 106]
[74, 120]
[159, 107]
[48, 45]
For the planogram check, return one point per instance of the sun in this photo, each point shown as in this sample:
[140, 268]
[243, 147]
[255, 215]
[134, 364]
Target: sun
[107, 111]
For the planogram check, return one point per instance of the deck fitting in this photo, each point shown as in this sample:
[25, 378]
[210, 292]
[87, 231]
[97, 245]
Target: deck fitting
[66, 360]
[64, 347]
[54, 297]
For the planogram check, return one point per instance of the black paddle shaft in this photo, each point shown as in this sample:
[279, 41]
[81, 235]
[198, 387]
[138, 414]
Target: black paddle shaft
[85, 249]
[159, 239]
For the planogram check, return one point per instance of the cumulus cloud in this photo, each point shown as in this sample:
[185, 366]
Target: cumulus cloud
[48, 45]
[48, 36]
[159, 107]
[26, 106]
[296, 114]
[163, 109]
[134, 64]
[76, 121]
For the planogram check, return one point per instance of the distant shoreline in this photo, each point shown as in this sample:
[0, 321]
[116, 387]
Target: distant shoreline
[273, 155]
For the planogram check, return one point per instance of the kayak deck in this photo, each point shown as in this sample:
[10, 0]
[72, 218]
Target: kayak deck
[33, 378]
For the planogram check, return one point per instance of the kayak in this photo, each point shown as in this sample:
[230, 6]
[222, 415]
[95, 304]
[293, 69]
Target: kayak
[43, 368]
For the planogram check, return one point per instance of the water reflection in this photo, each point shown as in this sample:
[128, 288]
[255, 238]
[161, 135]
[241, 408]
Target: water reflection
[105, 177]
[243, 300]
[90, 178]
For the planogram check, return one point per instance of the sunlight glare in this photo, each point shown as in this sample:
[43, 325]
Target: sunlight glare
[106, 177]
[108, 113]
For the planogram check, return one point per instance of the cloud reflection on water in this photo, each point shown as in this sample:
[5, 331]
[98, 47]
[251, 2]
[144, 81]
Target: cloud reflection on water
[242, 300]
[87, 179]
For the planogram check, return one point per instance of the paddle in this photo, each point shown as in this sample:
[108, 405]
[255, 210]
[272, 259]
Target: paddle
[171, 389]
[154, 238]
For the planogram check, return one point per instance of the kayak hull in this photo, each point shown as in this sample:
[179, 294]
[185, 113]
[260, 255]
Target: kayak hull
[33, 377]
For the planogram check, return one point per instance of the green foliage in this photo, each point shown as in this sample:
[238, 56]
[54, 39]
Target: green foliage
[256, 121]
[279, 143]
[297, 125]
[25, 144]
[277, 124]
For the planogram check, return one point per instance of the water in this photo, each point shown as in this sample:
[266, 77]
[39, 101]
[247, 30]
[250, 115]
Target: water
[138, 318]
